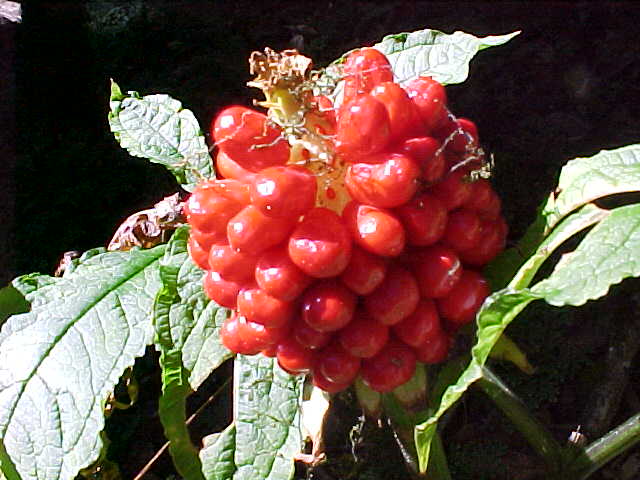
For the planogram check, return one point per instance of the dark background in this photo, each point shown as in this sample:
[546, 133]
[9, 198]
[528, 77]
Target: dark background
[568, 86]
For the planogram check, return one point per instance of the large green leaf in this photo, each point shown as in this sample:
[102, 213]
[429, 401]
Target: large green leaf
[156, 127]
[495, 315]
[581, 181]
[60, 361]
[445, 57]
[609, 253]
[266, 432]
[186, 323]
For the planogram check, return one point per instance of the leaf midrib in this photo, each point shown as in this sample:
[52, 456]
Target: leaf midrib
[66, 329]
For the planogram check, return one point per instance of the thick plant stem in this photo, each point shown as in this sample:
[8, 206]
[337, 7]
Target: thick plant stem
[606, 448]
[536, 434]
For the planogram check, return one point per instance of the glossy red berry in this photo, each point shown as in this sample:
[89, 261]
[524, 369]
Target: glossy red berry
[309, 337]
[435, 349]
[491, 243]
[427, 152]
[336, 364]
[363, 69]
[213, 203]
[323, 383]
[421, 325]
[404, 119]
[424, 219]
[393, 366]
[375, 229]
[437, 269]
[252, 232]
[328, 306]
[458, 135]
[277, 275]
[363, 337]
[464, 230]
[283, 191]
[231, 264]
[363, 128]
[320, 245]
[483, 200]
[460, 305]
[364, 272]
[249, 139]
[223, 292]
[390, 180]
[395, 299]
[454, 190]
[258, 306]
[230, 169]
[198, 254]
[293, 357]
[431, 99]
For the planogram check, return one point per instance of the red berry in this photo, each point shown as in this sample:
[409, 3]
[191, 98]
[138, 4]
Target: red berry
[426, 151]
[363, 337]
[213, 203]
[364, 272]
[277, 275]
[206, 240]
[320, 381]
[223, 292]
[293, 357]
[483, 200]
[458, 135]
[257, 337]
[404, 119]
[492, 241]
[393, 366]
[258, 306]
[431, 100]
[390, 180]
[396, 298]
[328, 306]
[362, 129]
[230, 336]
[199, 255]
[420, 326]
[336, 364]
[320, 245]
[283, 191]
[437, 270]
[424, 219]
[435, 349]
[376, 230]
[309, 337]
[249, 138]
[230, 169]
[231, 264]
[364, 69]
[464, 230]
[454, 190]
[253, 232]
[460, 305]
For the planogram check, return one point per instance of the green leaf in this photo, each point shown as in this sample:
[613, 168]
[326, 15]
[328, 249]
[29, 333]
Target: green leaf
[12, 301]
[61, 360]
[267, 419]
[217, 454]
[186, 323]
[157, 128]
[581, 181]
[445, 57]
[609, 253]
[494, 316]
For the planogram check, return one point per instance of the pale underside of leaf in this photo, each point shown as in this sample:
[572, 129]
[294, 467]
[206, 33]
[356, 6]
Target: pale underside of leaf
[444, 57]
[157, 128]
[609, 253]
[60, 361]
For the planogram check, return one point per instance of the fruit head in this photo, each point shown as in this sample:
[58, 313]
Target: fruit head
[347, 240]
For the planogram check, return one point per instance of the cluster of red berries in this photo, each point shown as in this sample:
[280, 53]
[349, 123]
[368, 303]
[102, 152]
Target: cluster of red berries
[375, 287]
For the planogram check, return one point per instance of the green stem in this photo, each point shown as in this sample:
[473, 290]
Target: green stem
[535, 433]
[606, 448]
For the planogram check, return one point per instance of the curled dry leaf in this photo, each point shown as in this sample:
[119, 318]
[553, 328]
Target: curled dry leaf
[149, 228]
